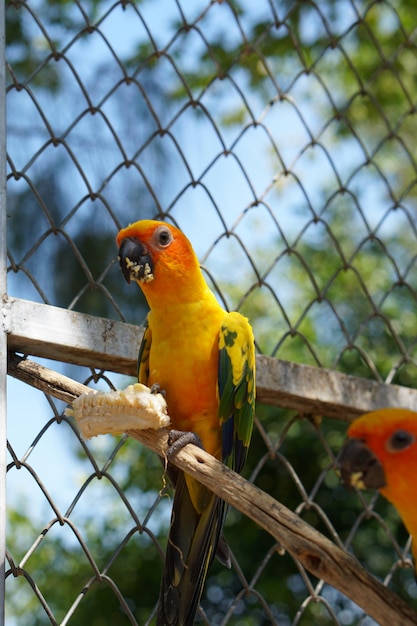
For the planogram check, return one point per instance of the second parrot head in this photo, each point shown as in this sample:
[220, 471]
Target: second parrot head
[359, 467]
[380, 444]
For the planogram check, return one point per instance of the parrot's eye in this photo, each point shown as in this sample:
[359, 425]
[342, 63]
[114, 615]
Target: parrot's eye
[163, 236]
[400, 440]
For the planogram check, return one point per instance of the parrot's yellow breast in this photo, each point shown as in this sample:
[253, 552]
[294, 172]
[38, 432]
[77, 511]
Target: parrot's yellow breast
[183, 361]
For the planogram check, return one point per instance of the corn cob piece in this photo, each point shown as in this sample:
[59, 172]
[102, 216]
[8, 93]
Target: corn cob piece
[114, 412]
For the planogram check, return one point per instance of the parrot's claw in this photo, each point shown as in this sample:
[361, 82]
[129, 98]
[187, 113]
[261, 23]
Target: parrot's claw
[156, 388]
[178, 439]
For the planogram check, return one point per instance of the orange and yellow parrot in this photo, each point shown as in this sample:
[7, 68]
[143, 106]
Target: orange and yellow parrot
[203, 358]
[382, 454]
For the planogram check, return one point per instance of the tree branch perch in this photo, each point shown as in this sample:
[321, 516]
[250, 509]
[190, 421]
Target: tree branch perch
[320, 556]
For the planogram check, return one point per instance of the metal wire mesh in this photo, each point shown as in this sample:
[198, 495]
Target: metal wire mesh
[280, 136]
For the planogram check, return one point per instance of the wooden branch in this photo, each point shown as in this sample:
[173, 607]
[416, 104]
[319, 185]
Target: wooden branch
[320, 556]
[54, 333]
[313, 550]
[56, 385]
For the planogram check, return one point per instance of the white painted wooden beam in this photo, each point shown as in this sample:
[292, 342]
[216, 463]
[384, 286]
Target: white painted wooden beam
[319, 391]
[46, 331]
[62, 335]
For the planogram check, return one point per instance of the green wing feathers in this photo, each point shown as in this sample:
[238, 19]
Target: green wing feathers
[143, 358]
[236, 388]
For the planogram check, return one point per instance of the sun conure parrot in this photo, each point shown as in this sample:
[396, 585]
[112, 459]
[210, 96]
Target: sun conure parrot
[203, 359]
[382, 454]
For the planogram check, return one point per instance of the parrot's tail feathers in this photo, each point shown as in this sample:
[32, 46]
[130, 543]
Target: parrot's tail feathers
[223, 552]
[193, 541]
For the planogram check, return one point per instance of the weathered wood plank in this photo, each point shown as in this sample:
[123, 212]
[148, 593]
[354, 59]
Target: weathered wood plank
[314, 390]
[71, 337]
[55, 333]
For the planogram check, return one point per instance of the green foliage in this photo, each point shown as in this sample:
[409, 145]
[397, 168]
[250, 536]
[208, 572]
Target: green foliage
[340, 296]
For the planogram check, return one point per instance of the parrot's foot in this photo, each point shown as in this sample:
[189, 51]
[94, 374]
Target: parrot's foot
[178, 439]
[156, 388]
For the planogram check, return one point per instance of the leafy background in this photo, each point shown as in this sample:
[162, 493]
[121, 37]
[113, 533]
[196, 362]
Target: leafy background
[281, 137]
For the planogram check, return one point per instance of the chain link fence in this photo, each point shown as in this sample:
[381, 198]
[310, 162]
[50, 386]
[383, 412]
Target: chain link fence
[280, 136]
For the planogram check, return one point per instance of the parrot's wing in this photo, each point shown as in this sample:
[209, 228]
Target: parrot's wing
[236, 388]
[143, 358]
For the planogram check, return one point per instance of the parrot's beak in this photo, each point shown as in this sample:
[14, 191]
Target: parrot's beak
[135, 261]
[359, 467]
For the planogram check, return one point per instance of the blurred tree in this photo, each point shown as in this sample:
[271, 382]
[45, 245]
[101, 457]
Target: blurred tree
[86, 171]
[360, 289]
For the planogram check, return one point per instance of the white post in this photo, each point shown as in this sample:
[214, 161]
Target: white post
[3, 290]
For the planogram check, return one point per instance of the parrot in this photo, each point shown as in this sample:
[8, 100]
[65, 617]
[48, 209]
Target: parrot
[203, 359]
[382, 454]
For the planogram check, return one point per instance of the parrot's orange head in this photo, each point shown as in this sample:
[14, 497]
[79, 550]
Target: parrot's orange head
[158, 256]
[382, 454]
[380, 445]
